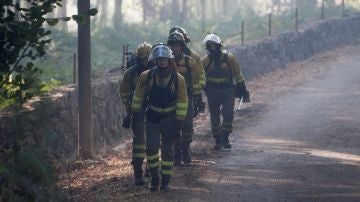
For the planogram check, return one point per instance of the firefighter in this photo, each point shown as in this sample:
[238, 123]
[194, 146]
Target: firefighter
[224, 82]
[164, 90]
[186, 66]
[199, 105]
[127, 88]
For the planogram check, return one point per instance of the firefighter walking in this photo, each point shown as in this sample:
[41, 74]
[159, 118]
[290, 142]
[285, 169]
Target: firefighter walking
[186, 66]
[164, 90]
[224, 82]
[127, 88]
[199, 105]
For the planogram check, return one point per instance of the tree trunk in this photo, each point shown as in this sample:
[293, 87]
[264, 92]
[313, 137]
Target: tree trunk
[184, 11]
[225, 7]
[85, 149]
[117, 19]
[103, 17]
[63, 13]
[175, 10]
[143, 3]
[203, 14]
[213, 9]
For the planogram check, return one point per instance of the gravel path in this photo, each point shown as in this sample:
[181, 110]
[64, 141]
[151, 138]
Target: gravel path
[299, 140]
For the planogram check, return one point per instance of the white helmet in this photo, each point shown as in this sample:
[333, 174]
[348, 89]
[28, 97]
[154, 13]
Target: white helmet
[212, 37]
[160, 51]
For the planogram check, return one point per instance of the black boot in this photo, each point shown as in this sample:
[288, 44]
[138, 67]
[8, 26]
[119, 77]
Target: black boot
[138, 172]
[177, 153]
[227, 144]
[165, 184]
[219, 145]
[186, 152]
[139, 178]
[154, 185]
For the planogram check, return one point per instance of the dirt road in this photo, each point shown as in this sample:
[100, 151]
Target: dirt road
[299, 140]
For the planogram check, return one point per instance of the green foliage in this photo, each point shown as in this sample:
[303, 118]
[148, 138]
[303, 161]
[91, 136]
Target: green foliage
[25, 166]
[23, 40]
[26, 175]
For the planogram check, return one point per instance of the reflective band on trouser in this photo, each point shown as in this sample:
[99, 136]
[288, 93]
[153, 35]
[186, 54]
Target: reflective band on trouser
[166, 167]
[153, 161]
[197, 89]
[218, 80]
[202, 80]
[216, 130]
[125, 97]
[136, 103]
[227, 127]
[139, 151]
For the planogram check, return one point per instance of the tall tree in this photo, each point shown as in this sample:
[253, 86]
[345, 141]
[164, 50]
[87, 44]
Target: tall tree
[84, 86]
[117, 18]
[63, 13]
[203, 6]
[103, 10]
[184, 11]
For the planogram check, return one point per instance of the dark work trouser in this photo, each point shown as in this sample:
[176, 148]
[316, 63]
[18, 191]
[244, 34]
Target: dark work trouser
[161, 135]
[182, 146]
[138, 151]
[221, 101]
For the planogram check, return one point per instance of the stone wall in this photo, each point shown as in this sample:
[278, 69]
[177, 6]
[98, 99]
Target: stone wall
[52, 120]
[271, 53]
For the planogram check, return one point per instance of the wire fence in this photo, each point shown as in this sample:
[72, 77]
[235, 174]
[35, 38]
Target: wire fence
[293, 20]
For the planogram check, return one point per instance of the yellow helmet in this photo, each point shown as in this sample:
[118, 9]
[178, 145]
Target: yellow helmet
[143, 50]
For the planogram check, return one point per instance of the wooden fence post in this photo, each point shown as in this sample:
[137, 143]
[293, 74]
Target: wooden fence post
[269, 34]
[74, 68]
[296, 19]
[322, 9]
[242, 32]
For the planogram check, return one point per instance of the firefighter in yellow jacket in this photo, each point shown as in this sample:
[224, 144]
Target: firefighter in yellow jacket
[164, 90]
[199, 105]
[186, 66]
[224, 82]
[127, 88]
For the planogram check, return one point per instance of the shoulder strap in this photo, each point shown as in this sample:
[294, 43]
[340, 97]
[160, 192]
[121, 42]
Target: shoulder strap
[187, 62]
[209, 64]
[150, 75]
[228, 64]
[226, 59]
[132, 72]
[175, 80]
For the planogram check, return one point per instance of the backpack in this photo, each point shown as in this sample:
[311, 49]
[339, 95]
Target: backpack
[187, 59]
[131, 60]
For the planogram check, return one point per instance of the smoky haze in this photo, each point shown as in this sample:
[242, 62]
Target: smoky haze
[121, 22]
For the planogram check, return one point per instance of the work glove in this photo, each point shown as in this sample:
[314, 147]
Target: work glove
[240, 91]
[126, 122]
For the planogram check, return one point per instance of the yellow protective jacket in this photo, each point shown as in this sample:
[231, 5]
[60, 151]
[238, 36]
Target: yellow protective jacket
[228, 72]
[199, 66]
[127, 86]
[143, 88]
[187, 67]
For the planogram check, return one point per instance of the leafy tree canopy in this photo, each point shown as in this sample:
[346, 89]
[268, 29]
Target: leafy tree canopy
[23, 39]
